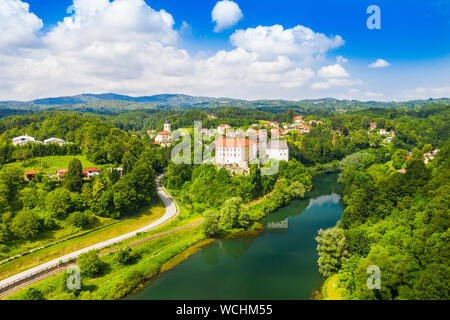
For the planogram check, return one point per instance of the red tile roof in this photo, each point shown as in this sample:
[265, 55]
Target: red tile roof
[31, 172]
[233, 142]
[163, 133]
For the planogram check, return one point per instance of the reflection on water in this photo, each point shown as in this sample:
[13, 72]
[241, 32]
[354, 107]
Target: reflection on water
[277, 263]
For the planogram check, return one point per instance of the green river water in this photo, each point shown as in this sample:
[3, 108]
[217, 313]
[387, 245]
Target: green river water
[278, 263]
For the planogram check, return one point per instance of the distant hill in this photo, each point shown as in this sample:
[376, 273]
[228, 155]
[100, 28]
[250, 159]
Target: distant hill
[112, 103]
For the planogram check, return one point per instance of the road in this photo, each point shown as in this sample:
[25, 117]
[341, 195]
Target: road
[172, 211]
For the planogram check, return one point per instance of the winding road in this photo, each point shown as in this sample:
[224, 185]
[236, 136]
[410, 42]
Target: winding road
[172, 211]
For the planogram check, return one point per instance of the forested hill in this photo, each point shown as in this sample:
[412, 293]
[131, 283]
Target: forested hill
[110, 102]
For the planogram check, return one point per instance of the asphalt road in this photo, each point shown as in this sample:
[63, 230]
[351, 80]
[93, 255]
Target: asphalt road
[171, 212]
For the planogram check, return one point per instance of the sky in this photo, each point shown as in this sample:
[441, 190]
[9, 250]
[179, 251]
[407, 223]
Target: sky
[242, 49]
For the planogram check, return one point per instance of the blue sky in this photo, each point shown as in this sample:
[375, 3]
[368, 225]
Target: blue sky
[413, 43]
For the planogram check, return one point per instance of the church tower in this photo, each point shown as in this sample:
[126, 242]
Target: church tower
[167, 126]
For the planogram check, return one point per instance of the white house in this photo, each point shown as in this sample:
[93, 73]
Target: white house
[278, 149]
[20, 141]
[54, 140]
[235, 151]
[298, 119]
[383, 132]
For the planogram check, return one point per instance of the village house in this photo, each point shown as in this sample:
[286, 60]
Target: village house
[373, 125]
[306, 129]
[151, 133]
[383, 132]
[210, 116]
[315, 122]
[60, 173]
[298, 119]
[91, 172]
[119, 170]
[31, 175]
[20, 141]
[278, 149]
[55, 140]
[274, 124]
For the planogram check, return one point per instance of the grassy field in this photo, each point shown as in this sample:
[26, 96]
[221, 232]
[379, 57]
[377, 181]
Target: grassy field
[31, 260]
[52, 163]
[118, 281]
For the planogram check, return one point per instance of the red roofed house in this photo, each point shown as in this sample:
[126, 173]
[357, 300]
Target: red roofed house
[88, 173]
[298, 119]
[60, 172]
[30, 175]
[235, 151]
[373, 125]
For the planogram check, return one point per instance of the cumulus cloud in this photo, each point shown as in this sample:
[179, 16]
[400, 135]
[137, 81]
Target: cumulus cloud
[333, 71]
[18, 26]
[226, 14]
[127, 47]
[380, 63]
[299, 43]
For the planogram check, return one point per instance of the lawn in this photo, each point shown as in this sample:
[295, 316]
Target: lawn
[31, 260]
[52, 163]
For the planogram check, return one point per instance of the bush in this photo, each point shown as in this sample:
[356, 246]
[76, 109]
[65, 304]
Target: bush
[90, 264]
[33, 294]
[82, 219]
[125, 256]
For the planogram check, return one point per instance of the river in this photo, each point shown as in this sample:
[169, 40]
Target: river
[278, 263]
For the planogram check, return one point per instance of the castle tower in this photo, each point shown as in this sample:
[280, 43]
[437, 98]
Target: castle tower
[167, 126]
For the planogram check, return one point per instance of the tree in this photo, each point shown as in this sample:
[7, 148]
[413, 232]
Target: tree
[58, 202]
[25, 225]
[229, 214]
[90, 264]
[73, 179]
[210, 226]
[332, 249]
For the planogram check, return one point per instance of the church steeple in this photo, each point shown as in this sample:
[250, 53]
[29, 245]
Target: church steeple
[167, 126]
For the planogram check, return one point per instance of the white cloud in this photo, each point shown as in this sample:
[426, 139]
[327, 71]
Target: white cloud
[226, 14]
[380, 63]
[341, 60]
[299, 43]
[18, 26]
[126, 47]
[333, 71]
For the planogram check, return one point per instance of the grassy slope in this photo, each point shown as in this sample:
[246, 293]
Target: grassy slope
[137, 221]
[52, 163]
